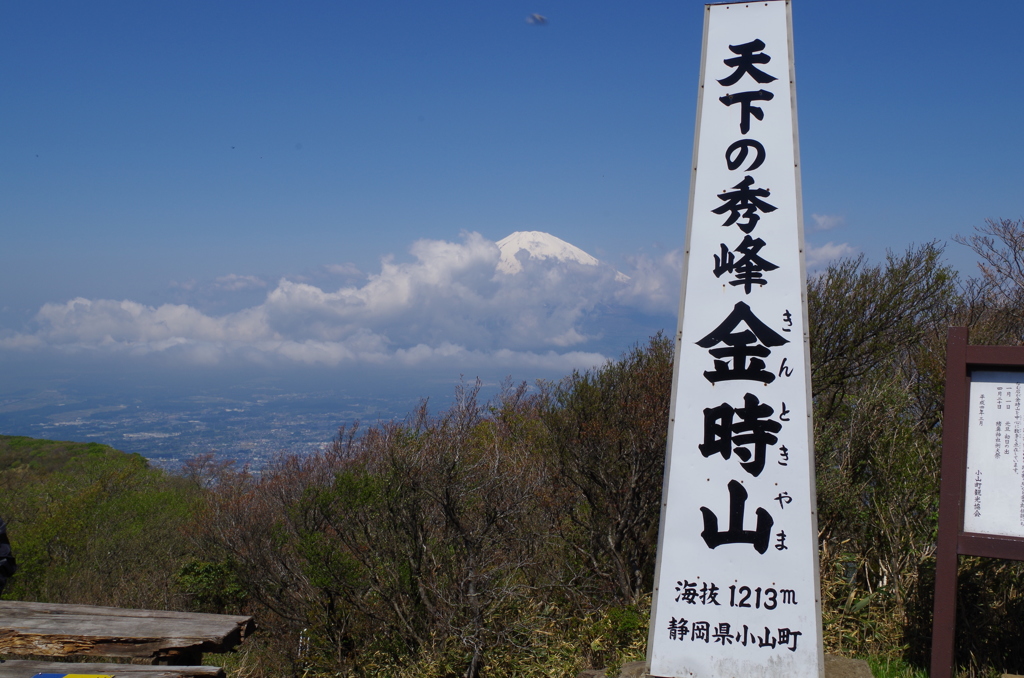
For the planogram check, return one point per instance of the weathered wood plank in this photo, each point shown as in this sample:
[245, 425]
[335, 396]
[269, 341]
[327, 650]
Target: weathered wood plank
[23, 668]
[67, 630]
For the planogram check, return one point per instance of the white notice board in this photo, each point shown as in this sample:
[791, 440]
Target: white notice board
[994, 501]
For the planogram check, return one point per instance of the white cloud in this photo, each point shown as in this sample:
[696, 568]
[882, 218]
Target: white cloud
[234, 283]
[84, 323]
[654, 283]
[826, 222]
[819, 257]
[346, 270]
[448, 305]
[188, 285]
[22, 342]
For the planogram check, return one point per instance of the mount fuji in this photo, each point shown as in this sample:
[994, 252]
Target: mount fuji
[540, 245]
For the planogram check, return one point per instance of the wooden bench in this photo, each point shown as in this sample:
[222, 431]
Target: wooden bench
[23, 668]
[163, 639]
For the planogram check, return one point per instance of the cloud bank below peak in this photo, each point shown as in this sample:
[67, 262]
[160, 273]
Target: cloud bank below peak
[458, 303]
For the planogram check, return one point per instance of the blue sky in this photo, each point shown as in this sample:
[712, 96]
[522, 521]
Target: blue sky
[208, 179]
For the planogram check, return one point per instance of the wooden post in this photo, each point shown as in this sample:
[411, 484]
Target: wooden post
[951, 502]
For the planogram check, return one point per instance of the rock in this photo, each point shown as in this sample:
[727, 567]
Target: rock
[633, 670]
[628, 670]
[844, 667]
[835, 667]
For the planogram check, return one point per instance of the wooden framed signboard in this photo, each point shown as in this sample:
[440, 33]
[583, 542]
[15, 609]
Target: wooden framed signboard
[981, 502]
[736, 585]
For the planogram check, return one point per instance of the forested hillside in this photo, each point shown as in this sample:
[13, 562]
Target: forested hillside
[517, 536]
[90, 524]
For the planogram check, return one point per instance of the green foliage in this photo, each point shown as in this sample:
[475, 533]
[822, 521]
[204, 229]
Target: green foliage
[518, 537]
[885, 667]
[865, 319]
[48, 456]
[607, 430]
[878, 350]
[462, 543]
[990, 616]
[877, 439]
[212, 587]
[91, 524]
[549, 641]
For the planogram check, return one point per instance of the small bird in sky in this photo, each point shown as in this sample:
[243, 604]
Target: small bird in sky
[536, 20]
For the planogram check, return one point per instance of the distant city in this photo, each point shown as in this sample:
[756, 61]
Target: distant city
[247, 425]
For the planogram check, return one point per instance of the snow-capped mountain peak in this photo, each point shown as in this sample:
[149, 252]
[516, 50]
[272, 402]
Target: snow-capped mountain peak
[538, 245]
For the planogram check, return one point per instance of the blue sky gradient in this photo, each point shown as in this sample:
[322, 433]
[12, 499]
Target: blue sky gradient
[202, 158]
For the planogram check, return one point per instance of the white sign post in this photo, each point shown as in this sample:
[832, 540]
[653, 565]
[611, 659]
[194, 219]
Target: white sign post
[736, 588]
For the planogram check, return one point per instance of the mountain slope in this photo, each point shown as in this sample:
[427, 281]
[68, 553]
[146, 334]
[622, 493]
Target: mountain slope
[540, 245]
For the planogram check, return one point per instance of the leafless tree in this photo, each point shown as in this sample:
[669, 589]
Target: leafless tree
[1000, 244]
[608, 429]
